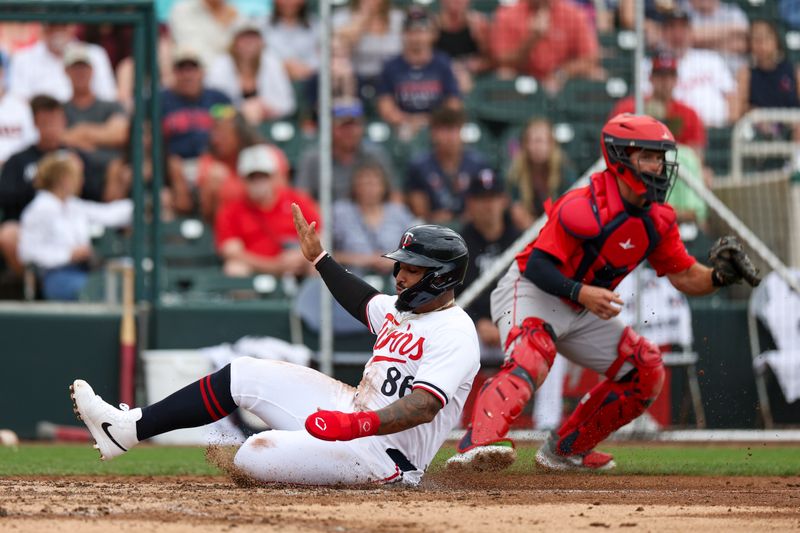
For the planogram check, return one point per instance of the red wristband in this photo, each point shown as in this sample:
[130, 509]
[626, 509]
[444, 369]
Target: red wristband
[336, 425]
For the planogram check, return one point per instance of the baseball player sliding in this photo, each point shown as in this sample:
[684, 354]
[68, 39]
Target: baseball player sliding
[388, 429]
[558, 296]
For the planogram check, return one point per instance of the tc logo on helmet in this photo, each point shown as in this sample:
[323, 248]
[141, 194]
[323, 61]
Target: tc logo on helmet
[407, 238]
[320, 423]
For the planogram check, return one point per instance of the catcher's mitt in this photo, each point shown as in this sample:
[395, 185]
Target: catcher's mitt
[731, 264]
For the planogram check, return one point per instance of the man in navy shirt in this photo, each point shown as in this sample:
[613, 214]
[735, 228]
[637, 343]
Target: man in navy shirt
[437, 180]
[488, 233]
[419, 80]
[186, 122]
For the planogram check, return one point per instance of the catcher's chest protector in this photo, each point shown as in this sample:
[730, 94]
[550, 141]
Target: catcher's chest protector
[615, 240]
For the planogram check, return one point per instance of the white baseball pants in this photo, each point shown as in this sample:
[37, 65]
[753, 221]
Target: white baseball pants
[283, 395]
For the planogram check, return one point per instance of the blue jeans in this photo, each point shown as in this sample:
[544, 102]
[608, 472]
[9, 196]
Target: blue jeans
[64, 283]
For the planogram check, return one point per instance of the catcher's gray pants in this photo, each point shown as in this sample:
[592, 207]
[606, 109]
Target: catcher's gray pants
[582, 337]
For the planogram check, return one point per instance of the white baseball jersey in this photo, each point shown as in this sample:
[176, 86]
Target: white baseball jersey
[438, 352]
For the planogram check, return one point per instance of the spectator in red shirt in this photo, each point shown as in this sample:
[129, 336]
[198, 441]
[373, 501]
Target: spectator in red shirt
[256, 233]
[683, 121]
[551, 40]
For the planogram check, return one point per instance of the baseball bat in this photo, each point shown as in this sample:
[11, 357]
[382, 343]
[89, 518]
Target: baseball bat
[127, 338]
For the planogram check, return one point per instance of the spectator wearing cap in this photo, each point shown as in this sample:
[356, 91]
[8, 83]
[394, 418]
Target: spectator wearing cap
[368, 223]
[438, 179]
[206, 26]
[186, 122]
[419, 80]
[539, 170]
[372, 31]
[719, 26]
[39, 69]
[253, 77]
[218, 179]
[488, 233]
[97, 127]
[16, 122]
[704, 82]
[293, 34]
[19, 171]
[683, 121]
[349, 148]
[256, 234]
[551, 40]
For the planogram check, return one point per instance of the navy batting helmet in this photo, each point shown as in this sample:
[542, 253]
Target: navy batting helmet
[442, 251]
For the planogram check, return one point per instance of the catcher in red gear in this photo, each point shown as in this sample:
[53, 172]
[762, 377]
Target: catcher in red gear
[559, 296]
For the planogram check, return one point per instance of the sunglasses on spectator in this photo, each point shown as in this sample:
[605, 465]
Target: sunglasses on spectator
[222, 111]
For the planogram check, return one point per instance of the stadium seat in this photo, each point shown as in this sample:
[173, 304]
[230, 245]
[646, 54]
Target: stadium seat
[581, 141]
[718, 153]
[188, 242]
[503, 102]
[589, 100]
[210, 283]
[760, 9]
[617, 54]
[287, 136]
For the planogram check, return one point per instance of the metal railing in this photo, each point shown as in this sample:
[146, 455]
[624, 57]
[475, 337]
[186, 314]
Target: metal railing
[742, 145]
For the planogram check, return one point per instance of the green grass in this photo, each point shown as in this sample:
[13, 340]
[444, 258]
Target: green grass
[660, 459]
[682, 459]
[82, 459]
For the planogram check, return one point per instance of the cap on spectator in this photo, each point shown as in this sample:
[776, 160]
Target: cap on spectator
[257, 159]
[676, 14]
[185, 54]
[246, 25]
[665, 63]
[347, 108]
[417, 18]
[77, 53]
[485, 182]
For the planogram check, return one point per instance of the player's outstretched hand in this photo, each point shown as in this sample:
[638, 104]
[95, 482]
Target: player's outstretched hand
[336, 425]
[307, 234]
[602, 302]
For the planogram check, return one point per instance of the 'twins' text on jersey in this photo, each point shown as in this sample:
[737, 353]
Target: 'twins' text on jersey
[437, 352]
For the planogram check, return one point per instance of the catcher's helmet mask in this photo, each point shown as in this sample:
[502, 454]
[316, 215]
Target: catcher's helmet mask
[626, 133]
[441, 251]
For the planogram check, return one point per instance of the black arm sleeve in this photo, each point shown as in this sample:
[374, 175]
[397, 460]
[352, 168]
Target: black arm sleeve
[350, 291]
[542, 270]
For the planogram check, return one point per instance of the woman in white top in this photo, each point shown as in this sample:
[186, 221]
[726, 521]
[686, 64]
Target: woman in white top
[374, 32]
[293, 34]
[55, 226]
[253, 77]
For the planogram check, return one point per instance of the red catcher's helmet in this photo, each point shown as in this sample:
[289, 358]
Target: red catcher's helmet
[625, 132]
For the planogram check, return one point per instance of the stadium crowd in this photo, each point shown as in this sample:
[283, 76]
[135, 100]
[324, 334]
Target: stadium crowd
[238, 116]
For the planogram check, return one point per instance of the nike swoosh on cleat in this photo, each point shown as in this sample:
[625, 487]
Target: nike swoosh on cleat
[105, 426]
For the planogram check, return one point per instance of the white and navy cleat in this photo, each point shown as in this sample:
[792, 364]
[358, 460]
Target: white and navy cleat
[490, 458]
[113, 430]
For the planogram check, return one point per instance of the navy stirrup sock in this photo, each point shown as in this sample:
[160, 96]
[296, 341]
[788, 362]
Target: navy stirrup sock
[200, 403]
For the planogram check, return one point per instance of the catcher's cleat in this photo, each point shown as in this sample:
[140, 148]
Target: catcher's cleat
[113, 430]
[592, 461]
[489, 458]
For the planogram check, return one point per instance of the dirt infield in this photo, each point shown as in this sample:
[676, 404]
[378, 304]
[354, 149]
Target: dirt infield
[521, 502]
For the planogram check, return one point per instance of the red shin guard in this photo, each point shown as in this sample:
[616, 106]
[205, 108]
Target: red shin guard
[611, 405]
[503, 397]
